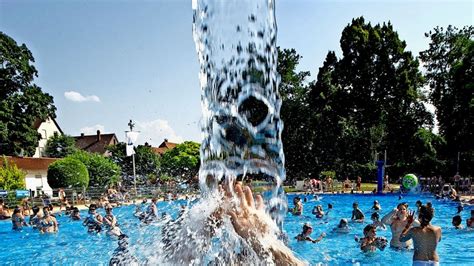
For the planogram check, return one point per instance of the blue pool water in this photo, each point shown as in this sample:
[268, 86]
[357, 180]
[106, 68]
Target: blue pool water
[74, 245]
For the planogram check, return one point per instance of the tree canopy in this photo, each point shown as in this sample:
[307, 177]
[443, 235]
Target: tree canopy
[102, 170]
[22, 102]
[11, 177]
[60, 146]
[183, 160]
[68, 172]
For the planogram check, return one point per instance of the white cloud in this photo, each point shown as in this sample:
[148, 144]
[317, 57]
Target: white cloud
[77, 97]
[93, 129]
[154, 132]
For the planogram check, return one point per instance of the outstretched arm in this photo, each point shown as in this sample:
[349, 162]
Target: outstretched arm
[407, 233]
[387, 219]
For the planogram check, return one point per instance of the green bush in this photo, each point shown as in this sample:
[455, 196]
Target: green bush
[11, 177]
[68, 172]
[102, 170]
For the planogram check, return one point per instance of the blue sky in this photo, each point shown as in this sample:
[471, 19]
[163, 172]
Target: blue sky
[106, 62]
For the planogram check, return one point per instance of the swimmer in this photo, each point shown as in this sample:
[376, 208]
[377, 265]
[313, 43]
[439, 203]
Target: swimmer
[18, 221]
[470, 221]
[298, 208]
[342, 227]
[357, 214]
[94, 220]
[425, 237]
[418, 206]
[3, 211]
[122, 255]
[48, 223]
[457, 222]
[305, 234]
[460, 208]
[111, 222]
[370, 242]
[376, 221]
[75, 214]
[35, 218]
[376, 206]
[329, 209]
[318, 211]
[397, 220]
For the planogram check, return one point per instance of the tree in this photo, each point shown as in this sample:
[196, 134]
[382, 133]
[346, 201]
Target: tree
[11, 177]
[147, 163]
[102, 170]
[183, 160]
[68, 172]
[450, 73]
[60, 146]
[21, 101]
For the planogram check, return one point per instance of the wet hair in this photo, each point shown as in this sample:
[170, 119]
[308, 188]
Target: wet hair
[418, 202]
[35, 209]
[375, 216]
[402, 204]
[329, 206]
[425, 215]
[341, 222]
[355, 204]
[368, 228]
[457, 220]
[306, 227]
[376, 202]
[16, 210]
[46, 208]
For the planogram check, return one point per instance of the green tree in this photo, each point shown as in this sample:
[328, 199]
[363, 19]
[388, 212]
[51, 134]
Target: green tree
[68, 172]
[183, 160]
[147, 163]
[60, 146]
[21, 101]
[102, 170]
[11, 177]
[450, 73]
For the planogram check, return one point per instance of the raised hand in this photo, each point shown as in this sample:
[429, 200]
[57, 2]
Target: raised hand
[411, 217]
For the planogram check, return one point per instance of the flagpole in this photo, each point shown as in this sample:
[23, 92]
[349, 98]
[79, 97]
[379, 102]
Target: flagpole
[132, 125]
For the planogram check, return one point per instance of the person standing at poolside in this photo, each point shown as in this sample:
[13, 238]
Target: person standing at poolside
[397, 220]
[359, 183]
[425, 237]
[48, 223]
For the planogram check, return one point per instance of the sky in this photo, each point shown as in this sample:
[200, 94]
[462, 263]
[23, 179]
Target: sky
[106, 62]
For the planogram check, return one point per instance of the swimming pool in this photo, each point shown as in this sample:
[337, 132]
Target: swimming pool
[73, 245]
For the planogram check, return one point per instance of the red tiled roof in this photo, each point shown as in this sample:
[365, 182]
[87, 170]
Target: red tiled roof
[28, 163]
[92, 143]
[164, 146]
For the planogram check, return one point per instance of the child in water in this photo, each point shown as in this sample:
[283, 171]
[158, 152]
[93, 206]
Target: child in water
[376, 206]
[318, 211]
[298, 209]
[376, 221]
[470, 221]
[305, 234]
[457, 222]
[342, 227]
[357, 214]
[370, 242]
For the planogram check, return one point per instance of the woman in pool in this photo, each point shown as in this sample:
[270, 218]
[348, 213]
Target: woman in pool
[397, 220]
[35, 218]
[318, 211]
[94, 220]
[298, 206]
[370, 242]
[18, 221]
[111, 222]
[305, 234]
[48, 223]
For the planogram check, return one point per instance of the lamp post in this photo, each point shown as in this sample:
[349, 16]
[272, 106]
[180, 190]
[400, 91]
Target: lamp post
[131, 138]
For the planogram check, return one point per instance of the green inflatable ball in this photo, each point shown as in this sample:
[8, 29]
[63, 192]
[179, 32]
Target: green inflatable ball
[410, 181]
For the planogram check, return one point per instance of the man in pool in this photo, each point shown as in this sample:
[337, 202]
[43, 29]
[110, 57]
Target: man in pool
[357, 215]
[305, 234]
[370, 242]
[425, 238]
[342, 227]
[298, 208]
[397, 220]
[376, 221]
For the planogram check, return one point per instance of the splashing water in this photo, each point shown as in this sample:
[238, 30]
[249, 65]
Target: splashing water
[241, 130]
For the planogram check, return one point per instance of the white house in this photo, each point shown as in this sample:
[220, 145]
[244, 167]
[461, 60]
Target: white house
[47, 129]
[36, 172]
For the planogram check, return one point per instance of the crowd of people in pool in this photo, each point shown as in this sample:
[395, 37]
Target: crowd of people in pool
[408, 229]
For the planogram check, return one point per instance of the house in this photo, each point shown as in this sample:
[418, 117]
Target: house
[36, 170]
[47, 129]
[96, 143]
[164, 146]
